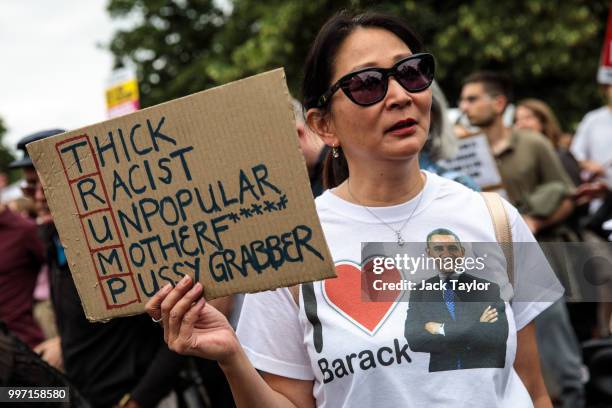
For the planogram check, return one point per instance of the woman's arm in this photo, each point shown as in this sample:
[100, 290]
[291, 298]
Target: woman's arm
[193, 327]
[527, 366]
[267, 390]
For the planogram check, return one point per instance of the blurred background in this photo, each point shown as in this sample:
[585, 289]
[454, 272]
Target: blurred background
[58, 56]
[70, 63]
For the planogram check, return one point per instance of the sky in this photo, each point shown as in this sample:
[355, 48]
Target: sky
[52, 71]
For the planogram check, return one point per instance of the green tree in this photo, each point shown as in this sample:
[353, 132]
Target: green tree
[170, 42]
[6, 157]
[550, 48]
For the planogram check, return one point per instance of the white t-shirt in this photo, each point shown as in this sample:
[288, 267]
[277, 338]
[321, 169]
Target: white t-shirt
[593, 139]
[359, 355]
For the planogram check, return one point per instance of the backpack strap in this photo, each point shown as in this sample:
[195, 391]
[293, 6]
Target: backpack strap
[295, 294]
[503, 231]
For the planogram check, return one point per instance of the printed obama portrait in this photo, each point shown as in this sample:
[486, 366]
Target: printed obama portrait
[458, 318]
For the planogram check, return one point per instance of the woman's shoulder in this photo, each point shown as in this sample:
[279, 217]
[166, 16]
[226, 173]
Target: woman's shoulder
[324, 202]
[447, 188]
[459, 199]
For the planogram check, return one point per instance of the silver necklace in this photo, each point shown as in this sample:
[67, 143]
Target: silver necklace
[397, 232]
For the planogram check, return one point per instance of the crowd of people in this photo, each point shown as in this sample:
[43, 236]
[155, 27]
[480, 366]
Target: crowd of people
[375, 131]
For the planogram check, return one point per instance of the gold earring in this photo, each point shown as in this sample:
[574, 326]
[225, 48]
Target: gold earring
[335, 153]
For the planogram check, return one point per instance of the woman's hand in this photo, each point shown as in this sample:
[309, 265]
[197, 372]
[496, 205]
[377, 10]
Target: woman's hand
[586, 192]
[191, 326]
[194, 327]
[51, 351]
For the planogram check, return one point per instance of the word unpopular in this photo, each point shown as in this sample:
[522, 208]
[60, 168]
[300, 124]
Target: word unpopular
[212, 185]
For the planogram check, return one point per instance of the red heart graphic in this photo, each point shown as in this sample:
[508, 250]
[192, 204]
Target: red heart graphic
[351, 295]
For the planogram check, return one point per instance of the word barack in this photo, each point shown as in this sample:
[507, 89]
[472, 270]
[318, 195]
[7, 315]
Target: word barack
[412, 264]
[363, 360]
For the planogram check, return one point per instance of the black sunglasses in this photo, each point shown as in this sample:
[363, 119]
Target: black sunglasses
[369, 85]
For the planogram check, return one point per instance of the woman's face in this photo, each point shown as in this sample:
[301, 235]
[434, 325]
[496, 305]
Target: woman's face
[526, 119]
[395, 128]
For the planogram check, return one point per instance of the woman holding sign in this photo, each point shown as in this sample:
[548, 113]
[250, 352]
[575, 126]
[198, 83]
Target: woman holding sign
[367, 95]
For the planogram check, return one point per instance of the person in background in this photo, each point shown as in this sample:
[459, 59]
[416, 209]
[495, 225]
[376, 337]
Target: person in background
[592, 147]
[484, 98]
[542, 192]
[50, 349]
[23, 206]
[123, 362]
[592, 144]
[313, 149]
[21, 257]
[534, 114]
[21, 367]
[442, 142]
[43, 309]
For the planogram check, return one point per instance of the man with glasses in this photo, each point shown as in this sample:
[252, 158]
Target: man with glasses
[537, 184]
[30, 185]
[541, 189]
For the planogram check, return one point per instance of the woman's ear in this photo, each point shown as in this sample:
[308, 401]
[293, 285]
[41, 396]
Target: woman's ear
[320, 123]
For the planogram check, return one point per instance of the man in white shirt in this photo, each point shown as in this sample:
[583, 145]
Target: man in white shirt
[592, 144]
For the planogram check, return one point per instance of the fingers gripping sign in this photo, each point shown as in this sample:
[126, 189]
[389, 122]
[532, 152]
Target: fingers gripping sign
[168, 301]
[153, 306]
[181, 341]
[191, 325]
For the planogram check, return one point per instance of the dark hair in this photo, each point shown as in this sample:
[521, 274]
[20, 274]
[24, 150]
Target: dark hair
[494, 83]
[319, 65]
[442, 231]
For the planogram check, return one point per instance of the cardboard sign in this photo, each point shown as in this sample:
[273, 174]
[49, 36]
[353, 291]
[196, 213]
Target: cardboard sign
[604, 74]
[122, 96]
[474, 159]
[212, 185]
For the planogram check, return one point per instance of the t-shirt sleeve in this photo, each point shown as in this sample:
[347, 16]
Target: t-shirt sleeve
[536, 286]
[579, 147]
[271, 335]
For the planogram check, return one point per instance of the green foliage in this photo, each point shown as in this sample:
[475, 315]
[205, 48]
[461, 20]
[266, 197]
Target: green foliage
[550, 48]
[171, 45]
[6, 157]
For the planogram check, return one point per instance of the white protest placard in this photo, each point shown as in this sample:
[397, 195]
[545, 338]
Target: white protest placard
[475, 159]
